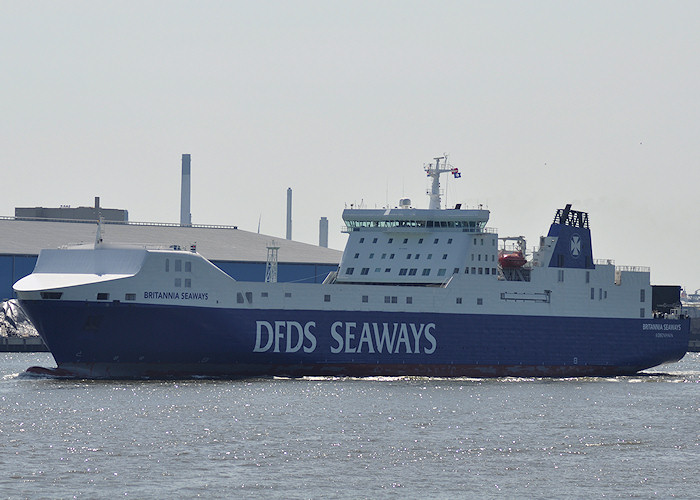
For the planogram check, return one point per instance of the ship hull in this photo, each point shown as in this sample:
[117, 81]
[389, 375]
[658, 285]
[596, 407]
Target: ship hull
[118, 340]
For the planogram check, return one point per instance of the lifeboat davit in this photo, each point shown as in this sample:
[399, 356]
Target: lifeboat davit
[511, 259]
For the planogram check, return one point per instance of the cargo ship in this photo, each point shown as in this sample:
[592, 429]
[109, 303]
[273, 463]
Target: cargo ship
[418, 292]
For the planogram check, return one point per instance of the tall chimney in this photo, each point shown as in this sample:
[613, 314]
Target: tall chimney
[185, 215]
[289, 213]
[323, 232]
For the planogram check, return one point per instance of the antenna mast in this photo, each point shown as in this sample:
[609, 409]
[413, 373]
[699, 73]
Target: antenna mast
[271, 267]
[434, 172]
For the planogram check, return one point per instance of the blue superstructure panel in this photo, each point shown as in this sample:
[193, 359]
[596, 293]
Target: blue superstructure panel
[297, 273]
[304, 273]
[23, 266]
[242, 271]
[573, 248]
[6, 277]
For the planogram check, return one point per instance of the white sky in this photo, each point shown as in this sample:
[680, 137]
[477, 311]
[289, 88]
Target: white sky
[538, 103]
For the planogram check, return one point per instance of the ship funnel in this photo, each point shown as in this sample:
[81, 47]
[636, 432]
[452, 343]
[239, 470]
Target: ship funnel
[323, 232]
[185, 215]
[289, 213]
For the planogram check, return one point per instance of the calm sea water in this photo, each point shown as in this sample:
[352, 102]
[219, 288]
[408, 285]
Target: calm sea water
[360, 438]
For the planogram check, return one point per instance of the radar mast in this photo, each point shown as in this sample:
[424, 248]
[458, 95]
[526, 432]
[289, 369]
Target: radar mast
[434, 171]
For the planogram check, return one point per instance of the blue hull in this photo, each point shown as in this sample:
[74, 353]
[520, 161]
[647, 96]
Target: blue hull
[116, 340]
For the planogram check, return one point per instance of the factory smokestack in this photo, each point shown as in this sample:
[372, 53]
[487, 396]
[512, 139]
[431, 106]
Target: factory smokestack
[289, 213]
[185, 215]
[323, 232]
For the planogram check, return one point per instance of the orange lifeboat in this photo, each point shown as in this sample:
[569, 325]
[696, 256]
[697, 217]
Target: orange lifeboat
[511, 259]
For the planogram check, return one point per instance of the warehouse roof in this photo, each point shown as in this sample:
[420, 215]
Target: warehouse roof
[227, 243]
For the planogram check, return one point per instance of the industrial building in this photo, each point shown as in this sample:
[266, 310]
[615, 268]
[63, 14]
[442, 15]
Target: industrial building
[241, 254]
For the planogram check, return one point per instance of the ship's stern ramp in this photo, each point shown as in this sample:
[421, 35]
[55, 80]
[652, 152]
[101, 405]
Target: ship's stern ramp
[80, 265]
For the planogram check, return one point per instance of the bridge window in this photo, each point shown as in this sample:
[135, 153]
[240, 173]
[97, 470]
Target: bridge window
[349, 270]
[326, 298]
[365, 271]
[365, 298]
[188, 266]
[167, 265]
[441, 272]
[412, 271]
[426, 272]
[178, 265]
[642, 295]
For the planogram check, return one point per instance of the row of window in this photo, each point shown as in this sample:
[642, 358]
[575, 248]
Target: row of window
[410, 256]
[486, 257]
[105, 296]
[420, 241]
[178, 283]
[243, 297]
[178, 266]
[404, 271]
[473, 226]
[404, 241]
